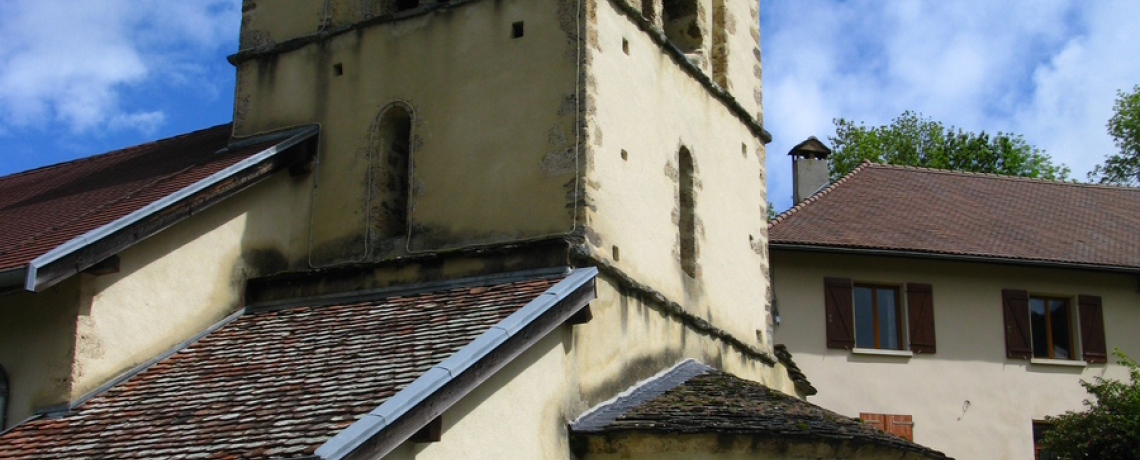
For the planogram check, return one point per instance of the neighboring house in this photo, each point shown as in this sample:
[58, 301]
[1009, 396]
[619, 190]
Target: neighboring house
[962, 308]
[414, 242]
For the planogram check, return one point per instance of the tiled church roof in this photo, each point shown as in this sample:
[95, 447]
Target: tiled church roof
[45, 207]
[274, 384]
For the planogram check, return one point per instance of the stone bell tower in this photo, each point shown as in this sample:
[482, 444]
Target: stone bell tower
[629, 130]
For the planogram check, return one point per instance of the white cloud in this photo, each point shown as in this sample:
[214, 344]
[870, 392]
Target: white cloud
[1046, 69]
[67, 62]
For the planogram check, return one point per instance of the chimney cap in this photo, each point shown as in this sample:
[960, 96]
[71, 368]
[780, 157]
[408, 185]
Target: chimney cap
[811, 148]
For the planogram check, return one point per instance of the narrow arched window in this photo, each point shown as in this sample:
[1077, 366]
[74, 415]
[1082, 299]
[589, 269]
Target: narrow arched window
[682, 24]
[688, 220]
[720, 44]
[394, 132]
[3, 399]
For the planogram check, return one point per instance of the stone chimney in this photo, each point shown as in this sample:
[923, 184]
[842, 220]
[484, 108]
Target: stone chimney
[809, 168]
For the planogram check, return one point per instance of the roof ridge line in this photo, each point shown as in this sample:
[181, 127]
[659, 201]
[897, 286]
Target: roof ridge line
[1039, 180]
[820, 194]
[404, 289]
[122, 150]
[611, 409]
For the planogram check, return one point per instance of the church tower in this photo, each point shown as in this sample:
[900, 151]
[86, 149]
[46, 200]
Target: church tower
[466, 137]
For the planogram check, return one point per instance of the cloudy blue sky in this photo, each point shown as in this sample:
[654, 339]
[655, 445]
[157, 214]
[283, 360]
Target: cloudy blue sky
[83, 77]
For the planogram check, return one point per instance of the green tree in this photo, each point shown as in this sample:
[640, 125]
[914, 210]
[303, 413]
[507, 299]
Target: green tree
[1122, 168]
[912, 140]
[1109, 428]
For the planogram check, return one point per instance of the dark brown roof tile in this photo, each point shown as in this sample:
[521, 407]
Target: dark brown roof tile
[46, 207]
[934, 211]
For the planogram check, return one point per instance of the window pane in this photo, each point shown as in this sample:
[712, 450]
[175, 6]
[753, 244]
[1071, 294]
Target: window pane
[1039, 327]
[1059, 312]
[888, 319]
[864, 318]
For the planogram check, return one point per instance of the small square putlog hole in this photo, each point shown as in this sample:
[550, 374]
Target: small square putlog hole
[517, 30]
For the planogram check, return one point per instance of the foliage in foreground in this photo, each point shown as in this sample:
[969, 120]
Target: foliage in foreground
[1122, 168]
[1110, 426]
[912, 140]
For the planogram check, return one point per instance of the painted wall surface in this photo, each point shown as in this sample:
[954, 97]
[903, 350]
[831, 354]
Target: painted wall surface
[527, 406]
[643, 109]
[37, 345]
[968, 400]
[180, 281]
[494, 116]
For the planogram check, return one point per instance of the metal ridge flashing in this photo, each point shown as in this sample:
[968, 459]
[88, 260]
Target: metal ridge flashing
[296, 136]
[356, 435]
[601, 415]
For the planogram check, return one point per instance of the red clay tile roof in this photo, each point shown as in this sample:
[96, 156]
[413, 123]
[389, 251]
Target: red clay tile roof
[45, 207]
[696, 399]
[273, 384]
[946, 212]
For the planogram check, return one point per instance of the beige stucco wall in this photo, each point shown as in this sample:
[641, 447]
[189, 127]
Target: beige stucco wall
[180, 281]
[968, 399]
[493, 116]
[37, 344]
[645, 104]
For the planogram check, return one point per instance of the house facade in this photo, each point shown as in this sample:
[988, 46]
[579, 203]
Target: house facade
[961, 308]
[433, 230]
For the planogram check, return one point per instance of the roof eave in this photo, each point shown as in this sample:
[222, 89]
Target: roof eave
[401, 416]
[952, 257]
[90, 248]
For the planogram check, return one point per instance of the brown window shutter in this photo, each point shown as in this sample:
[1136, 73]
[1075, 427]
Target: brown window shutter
[920, 315]
[1092, 329]
[1018, 341]
[901, 426]
[898, 425]
[840, 312]
[878, 421]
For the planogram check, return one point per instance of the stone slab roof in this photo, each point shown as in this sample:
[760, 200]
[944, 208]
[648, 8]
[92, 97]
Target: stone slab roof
[693, 398]
[43, 208]
[929, 211]
[274, 384]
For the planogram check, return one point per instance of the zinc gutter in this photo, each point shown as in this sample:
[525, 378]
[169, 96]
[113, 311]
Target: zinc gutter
[954, 257]
[431, 382]
[295, 136]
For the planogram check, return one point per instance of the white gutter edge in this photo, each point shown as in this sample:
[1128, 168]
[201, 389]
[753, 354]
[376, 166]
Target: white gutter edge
[102, 232]
[351, 438]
